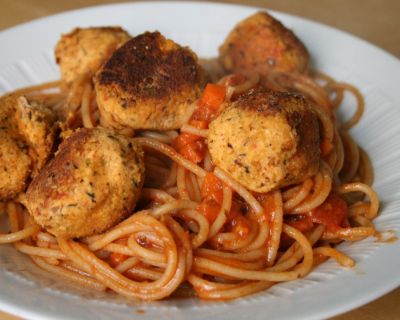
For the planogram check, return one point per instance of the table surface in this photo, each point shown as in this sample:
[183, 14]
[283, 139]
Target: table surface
[375, 21]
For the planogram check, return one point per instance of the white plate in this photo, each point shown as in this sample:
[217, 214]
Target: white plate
[26, 58]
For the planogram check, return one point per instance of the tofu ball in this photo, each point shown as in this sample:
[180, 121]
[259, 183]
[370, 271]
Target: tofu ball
[15, 167]
[84, 50]
[149, 83]
[27, 134]
[92, 183]
[36, 125]
[263, 44]
[266, 140]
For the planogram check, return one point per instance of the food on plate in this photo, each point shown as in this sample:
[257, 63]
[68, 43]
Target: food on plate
[165, 185]
[149, 83]
[262, 44]
[266, 140]
[98, 175]
[27, 132]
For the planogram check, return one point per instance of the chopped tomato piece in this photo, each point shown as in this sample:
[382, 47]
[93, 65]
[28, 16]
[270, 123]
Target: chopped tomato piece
[267, 201]
[208, 106]
[184, 139]
[332, 213]
[204, 113]
[210, 209]
[213, 95]
[199, 124]
[194, 151]
[212, 188]
[192, 147]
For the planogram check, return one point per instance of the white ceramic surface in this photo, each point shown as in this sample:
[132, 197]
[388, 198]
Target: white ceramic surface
[26, 58]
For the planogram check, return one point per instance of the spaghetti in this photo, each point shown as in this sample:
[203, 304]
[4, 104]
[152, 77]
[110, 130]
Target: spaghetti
[195, 224]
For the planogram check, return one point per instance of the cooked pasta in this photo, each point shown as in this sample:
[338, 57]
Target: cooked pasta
[194, 222]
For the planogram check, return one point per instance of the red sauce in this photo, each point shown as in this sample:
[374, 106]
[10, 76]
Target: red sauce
[301, 222]
[237, 222]
[268, 204]
[332, 213]
[210, 209]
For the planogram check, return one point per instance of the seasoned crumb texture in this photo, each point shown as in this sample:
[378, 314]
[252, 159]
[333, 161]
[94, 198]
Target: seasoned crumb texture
[263, 44]
[15, 167]
[92, 183]
[27, 133]
[84, 50]
[36, 124]
[149, 83]
[266, 140]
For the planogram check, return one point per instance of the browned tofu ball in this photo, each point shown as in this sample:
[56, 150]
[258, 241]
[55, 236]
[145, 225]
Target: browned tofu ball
[84, 50]
[92, 183]
[266, 140]
[262, 44]
[27, 133]
[149, 83]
